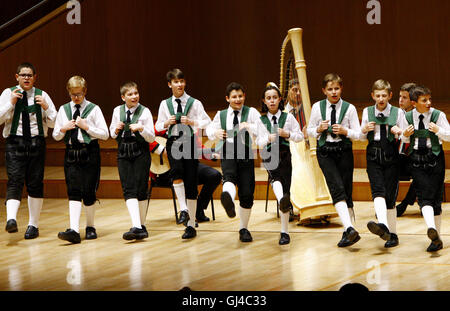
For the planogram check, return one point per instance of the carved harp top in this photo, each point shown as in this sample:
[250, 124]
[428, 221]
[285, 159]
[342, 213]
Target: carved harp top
[293, 66]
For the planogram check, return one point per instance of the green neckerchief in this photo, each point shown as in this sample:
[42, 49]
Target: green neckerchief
[323, 112]
[89, 107]
[21, 106]
[435, 145]
[391, 121]
[282, 120]
[178, 115]
[136, 115]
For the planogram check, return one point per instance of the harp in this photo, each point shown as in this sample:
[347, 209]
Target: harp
[309, 191]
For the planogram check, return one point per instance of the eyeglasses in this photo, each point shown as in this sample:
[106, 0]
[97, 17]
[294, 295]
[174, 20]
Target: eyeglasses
[26, 75]
[79, 95]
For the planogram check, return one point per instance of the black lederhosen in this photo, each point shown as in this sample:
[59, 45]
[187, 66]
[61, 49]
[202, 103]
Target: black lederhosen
[185, 166]
[428, 172]
[336, 162]
[25, 163]
[82, 172]
[133, 161]
[240, 172]
[283, 171]
[210, 178]
[383, 171]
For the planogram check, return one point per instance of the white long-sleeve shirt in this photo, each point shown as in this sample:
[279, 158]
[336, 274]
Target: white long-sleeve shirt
[95, 120]
[350, 121]
[255, 126]
[196, 113]
[386, 112]
[145, 119]
[444, 128]
[7, 113]
[291, 125]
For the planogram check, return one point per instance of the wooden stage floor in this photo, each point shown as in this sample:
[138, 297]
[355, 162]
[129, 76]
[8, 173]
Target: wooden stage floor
[215, 260]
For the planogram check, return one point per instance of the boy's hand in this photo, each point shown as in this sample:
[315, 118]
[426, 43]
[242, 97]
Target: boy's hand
[305, 132]
[338, 129]
[272, 137]
[284, 133]
[68, 126]
[81, 123]
[136, 127]
[370, 126]
[186, 121]
[15, 96]
[323, 126]
[41, 102]
[396, 130]
[409, 131]
[433, 127]
[243, 125]
[220, 134]
[172, 120]
[119, 127]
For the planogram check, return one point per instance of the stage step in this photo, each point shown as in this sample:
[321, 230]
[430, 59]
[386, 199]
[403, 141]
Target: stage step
[110, 187]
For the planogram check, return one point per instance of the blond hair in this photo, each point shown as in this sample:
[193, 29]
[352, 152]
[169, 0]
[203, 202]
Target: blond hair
[381, 85]
[331, 77]
[76, 81]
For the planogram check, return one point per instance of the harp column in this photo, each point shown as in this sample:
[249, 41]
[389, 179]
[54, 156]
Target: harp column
[295, 35]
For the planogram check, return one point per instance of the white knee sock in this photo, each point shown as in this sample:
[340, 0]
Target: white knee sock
[380, 210]
[244, 215]
[34, 210]
[342, 210]
[392, 220]
[192, 208]
[12, 206]
[181, 195]
[90, 215]
[133, 209]
[143, 205]
[351, 212]
[428, 215]
[74, 214]
[437, 222]
[278, 190]
[284, 222]
[230, 188]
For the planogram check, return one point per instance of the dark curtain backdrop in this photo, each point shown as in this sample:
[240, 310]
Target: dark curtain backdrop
[218, 41]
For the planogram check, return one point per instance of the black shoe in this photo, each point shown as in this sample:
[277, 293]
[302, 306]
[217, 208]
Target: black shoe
[11, 226]
[31, 233]
[393, 241]
[184, 218]
[349, 237]
[401, 208]
[227, 202]
[70, 235]
[284, 239]
[436, 242]
[189, 233]
[200, 215]
[91, 234]
[285, 203]
[245, 236]
[379, 229]
[134, 234]
[145, 231]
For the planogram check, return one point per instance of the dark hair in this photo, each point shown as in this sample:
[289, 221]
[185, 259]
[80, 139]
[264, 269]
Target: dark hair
[264, 108]
[331, 77]
[234, 86]
[407, 86]
[293, 82]
[26, 65]
[417, 91]
[174, 74]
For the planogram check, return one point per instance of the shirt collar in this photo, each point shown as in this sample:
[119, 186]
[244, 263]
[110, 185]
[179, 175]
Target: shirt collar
[230, 110]
[82, 105]
[183, 98]
[385, 112]
[278, 114]
[131, 109]
[338, 104]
